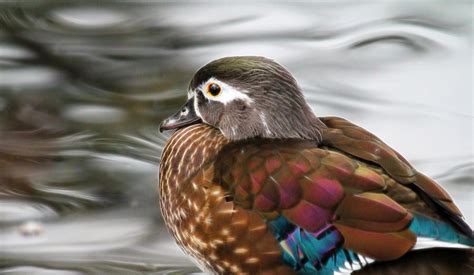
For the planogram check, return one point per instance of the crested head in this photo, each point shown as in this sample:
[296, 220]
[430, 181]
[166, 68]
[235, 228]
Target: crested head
[251, 96]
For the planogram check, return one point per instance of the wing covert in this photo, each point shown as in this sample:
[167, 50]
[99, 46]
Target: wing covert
[320, 195]
[351, 139]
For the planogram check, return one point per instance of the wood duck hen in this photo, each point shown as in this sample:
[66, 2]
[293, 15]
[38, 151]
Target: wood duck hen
[252, 182]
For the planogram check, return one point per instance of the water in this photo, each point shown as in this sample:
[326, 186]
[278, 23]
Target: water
[84, 86]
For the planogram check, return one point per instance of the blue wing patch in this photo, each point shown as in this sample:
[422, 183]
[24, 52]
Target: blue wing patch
[424, 226]
[322, 253]
[318, 252]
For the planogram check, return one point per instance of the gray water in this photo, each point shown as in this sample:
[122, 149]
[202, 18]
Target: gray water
[84, 86]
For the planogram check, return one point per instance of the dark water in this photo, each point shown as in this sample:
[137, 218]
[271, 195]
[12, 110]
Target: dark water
[83, 87]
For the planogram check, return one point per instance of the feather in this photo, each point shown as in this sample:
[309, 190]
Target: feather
[287, 205]
[438, 231]
[308, 251]
[349, 138]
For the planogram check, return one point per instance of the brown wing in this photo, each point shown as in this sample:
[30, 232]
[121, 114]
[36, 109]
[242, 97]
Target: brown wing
[356, 141]
[315, 189]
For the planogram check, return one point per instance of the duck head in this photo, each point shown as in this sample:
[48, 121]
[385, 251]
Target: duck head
[247, 97]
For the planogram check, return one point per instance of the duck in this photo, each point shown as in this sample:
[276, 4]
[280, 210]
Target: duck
[251, 181]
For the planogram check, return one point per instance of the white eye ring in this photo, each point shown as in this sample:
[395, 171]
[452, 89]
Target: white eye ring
[227, 92]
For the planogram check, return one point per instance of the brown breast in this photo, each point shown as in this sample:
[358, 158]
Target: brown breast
[221, 236]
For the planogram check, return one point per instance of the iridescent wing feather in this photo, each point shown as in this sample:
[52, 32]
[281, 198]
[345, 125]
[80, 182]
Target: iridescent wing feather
[356, 141]
[340, 206]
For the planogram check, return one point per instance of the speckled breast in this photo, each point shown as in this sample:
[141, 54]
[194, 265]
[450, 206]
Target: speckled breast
[207, 225]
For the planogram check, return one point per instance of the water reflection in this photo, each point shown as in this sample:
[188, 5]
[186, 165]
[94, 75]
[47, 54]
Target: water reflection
[83, 87]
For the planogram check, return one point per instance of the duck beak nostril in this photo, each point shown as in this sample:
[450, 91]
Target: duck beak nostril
[184, 117]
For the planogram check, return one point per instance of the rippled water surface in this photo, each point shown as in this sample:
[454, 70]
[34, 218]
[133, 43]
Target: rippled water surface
[83, 88]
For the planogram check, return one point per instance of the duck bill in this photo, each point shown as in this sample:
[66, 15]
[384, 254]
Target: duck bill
[184, 117]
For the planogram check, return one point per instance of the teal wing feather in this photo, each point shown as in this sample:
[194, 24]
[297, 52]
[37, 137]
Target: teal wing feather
[320, 252]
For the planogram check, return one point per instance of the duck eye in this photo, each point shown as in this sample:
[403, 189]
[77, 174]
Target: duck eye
[213, 89]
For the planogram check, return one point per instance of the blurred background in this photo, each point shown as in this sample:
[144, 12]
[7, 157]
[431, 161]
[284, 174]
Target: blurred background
[85, 84]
